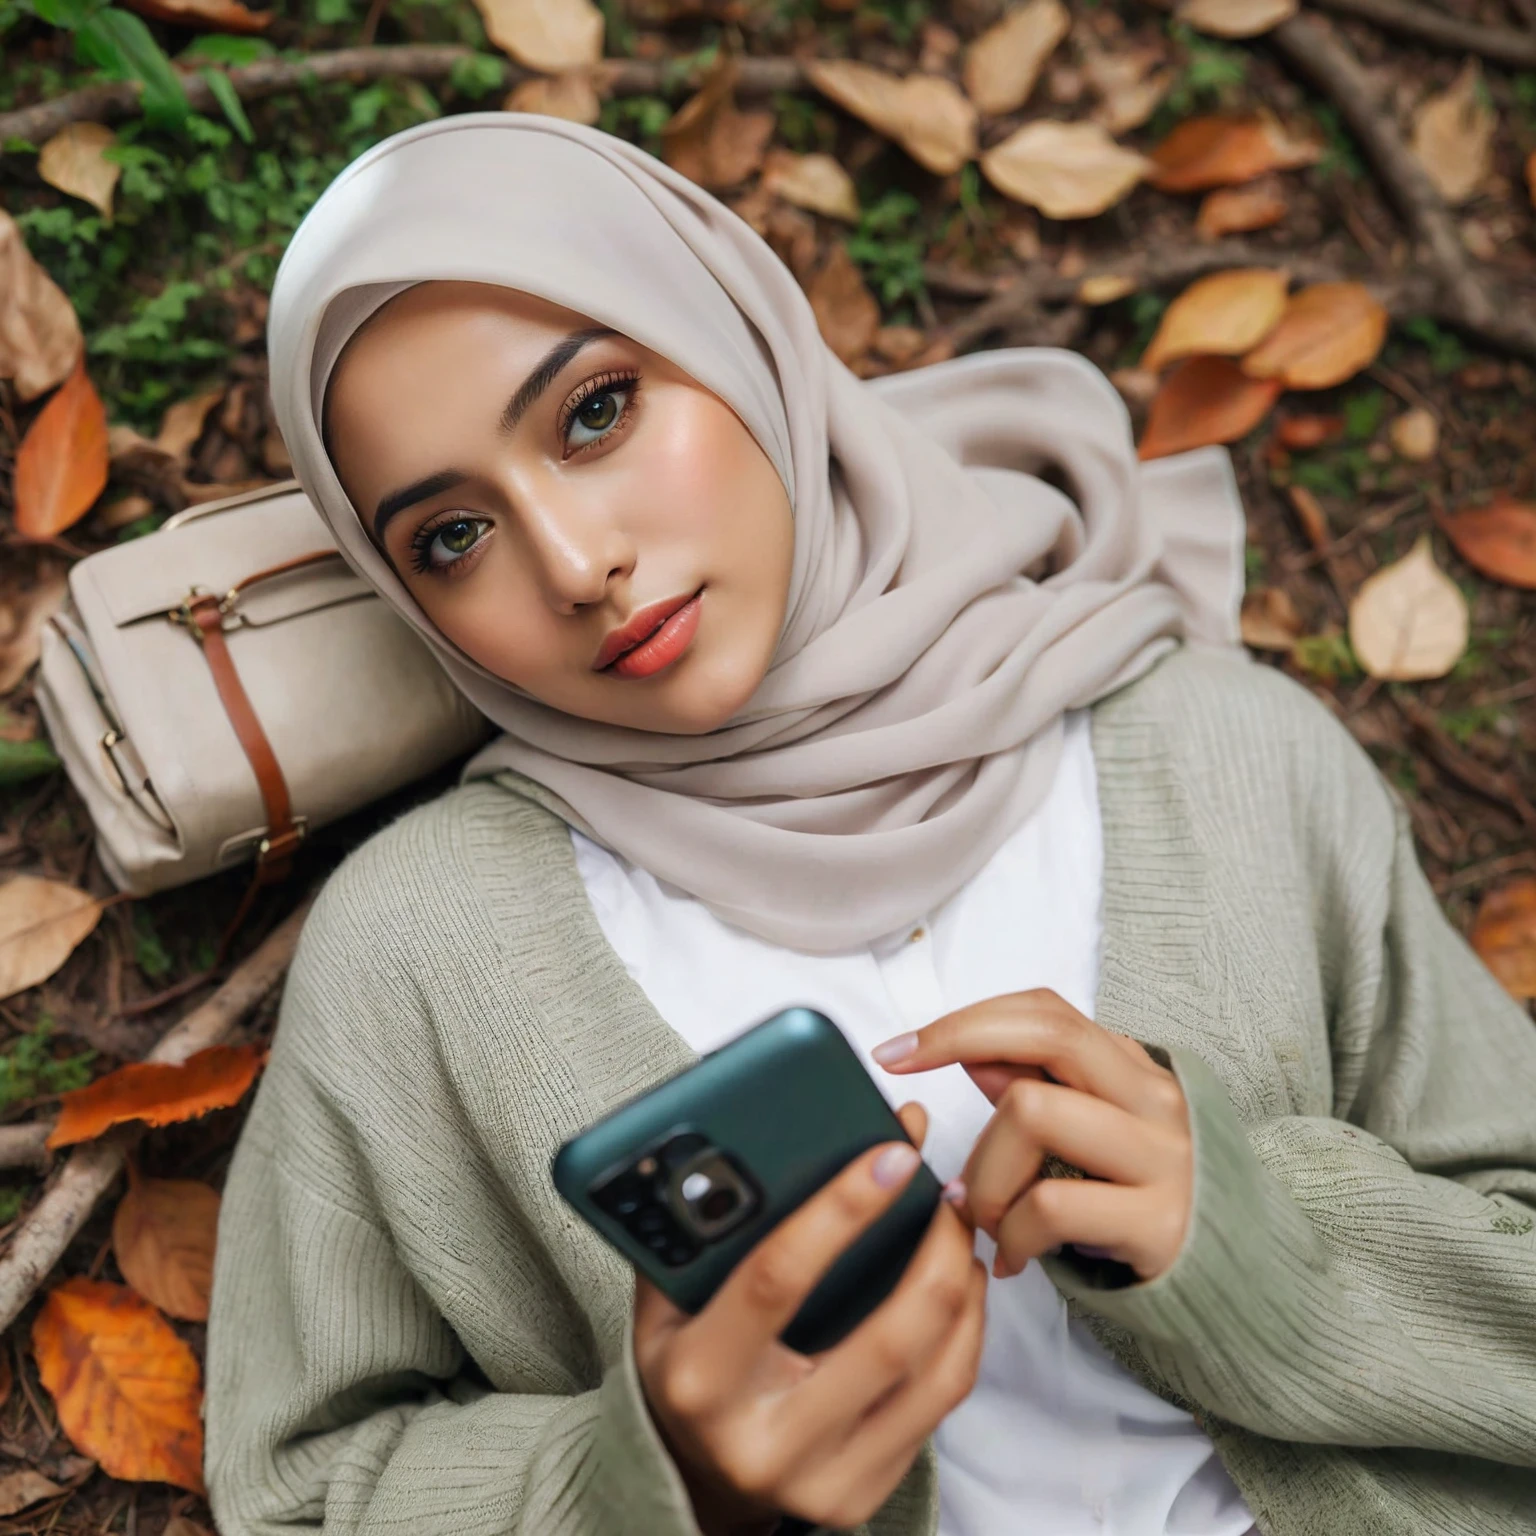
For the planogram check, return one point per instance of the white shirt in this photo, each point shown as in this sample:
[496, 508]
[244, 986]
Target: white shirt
[1057, 1438]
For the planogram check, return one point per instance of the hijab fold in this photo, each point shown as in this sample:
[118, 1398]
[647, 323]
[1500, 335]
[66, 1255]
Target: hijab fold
[977, 549]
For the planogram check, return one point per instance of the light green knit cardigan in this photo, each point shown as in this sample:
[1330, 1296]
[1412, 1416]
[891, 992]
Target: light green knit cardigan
[411, 1334]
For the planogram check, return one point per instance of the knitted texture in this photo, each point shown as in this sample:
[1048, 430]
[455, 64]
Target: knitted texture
[410, 1332]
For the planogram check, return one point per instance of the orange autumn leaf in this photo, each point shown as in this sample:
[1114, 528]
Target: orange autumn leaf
[158, 1092]
[1308, 431]
[61, 466]
[1240, 210]
[1328, 333]
[220, 15]
[163, 1236]
[1504, 934]
[126, 1387]
[1220, 151]
[1530, 174]
[1203, 401]
[1499, 540]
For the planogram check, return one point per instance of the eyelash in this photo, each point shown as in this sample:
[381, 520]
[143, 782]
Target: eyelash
[627, 383]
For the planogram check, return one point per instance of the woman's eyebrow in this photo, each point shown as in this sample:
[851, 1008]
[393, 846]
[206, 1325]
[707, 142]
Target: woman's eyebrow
[517, 407]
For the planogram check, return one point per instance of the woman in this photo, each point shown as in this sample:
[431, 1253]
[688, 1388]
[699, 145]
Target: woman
[918, 702]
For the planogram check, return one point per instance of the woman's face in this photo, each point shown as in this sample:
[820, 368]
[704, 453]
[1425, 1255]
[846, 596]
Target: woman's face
[551, 493]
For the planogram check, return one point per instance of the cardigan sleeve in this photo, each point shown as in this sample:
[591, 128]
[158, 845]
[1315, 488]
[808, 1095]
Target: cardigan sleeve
[340, 1400]
[1368, 1280]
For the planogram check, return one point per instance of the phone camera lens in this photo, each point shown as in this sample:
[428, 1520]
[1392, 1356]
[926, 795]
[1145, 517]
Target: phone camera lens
[710, 1195]
[718, 1204]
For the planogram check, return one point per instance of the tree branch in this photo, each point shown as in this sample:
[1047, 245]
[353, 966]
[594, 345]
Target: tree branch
[92, 1169]
[1505, 45]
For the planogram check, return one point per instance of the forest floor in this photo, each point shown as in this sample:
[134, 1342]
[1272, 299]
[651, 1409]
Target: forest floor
[170, 294]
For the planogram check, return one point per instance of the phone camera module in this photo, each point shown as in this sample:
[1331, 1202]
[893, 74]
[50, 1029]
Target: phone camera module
[711, 1195]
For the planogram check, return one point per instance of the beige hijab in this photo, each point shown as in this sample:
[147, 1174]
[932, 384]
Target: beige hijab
[947, 601]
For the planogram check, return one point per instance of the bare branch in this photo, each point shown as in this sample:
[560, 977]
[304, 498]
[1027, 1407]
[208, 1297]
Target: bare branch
[1504, 45]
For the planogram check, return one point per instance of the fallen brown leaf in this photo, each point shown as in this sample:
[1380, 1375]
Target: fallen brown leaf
[1226, 313]
[1130, 85]
[41, 921]
[157, 1092]
[179, 1525]
[126, 1387]
[163, 1235]
[61, 466]
[1504, 934]
[1269, 620]
[925, 114]
[709, 140]
[73, 160]
[547, 35]
[1308, 431]
[1234, 18]
[183, 423]
[1415, 435]
[1003, 64]
[1219, 151]
[24, 610]
[221, 15]
[571, 95]
[1204, 400]
[1409, 622]
[1328, 333]
[1240, 210]
[845, 309]
[1310, 514]
[817, 182]
[1499, 539]
[1453, 136]
[121, 511]
[40, 340]
[899, 344]
[1066, 170]
[20, 1489]
[1105, 288]
[1530, 175]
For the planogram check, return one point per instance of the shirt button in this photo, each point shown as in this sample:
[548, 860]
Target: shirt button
[916, 935]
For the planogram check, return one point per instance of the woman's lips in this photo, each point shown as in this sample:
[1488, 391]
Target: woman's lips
[667, 640]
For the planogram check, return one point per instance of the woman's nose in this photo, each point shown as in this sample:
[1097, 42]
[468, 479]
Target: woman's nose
[577, 550]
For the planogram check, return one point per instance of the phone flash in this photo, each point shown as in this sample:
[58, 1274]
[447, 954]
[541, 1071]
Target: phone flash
[646, 1167]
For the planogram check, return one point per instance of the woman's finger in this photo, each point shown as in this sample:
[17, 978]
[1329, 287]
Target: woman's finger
[914, 1121]
[1039, 1029]
[1139, 1226]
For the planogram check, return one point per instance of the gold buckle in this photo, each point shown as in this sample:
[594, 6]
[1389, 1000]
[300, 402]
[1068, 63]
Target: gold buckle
[226, 607]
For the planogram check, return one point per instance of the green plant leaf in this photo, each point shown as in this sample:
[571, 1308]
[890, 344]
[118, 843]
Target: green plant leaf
[224, 94]
[226, 49]
[119, 42]
[23, 760]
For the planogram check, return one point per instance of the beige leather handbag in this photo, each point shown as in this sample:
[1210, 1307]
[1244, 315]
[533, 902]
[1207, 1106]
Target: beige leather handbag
[226, 684]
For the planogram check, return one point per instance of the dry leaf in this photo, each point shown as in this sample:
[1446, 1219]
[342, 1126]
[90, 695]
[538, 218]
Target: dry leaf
[899, 344]
[1530, 175]
[1328, 333]
[1453, 136]
[571, 96]
[548, 35]
[1239, 210]
[40, 340]
[183, 423]
[157, 1092]
[1308, 431]
[1415, 435]
[1226, 313]
[1105, 288]
[163, 1238]
[1269, 620]
[845, 309]
[73, 160]
[925, 114]
[817, 182]
[1066, 170]
[220, 15]
[179, 1525]
[1310, 514]
[41, 921]
[1206, 152]
[711, 142]
[1504, 934]
[23, 613]
[126, 1387]
[1003, 64]
[121, 511]
[1499, 540]
[19, 1489]
[1130, 86]
[1234, 18]
[1408, 622]
[1203, 401]
[61, 466]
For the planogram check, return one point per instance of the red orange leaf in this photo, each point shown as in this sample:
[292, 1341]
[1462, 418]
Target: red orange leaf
[1499, 540]
[1203, 401]
[1237, 210]
[163, 1237]
[1328, 333]
[125, 1385]
[221, 15]
[1308, 431]
[158, 1092]
[1505, 936]
[1206, 152]
[61, 466]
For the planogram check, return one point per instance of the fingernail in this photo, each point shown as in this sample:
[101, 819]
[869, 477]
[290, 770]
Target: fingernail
[893, 1165]
[1000, 1270]
[895, 1050]
[954, 1191]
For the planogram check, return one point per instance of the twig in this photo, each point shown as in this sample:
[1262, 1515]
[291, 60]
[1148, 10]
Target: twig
[1317, 52]
[1508, 45]
[1487, 869]
[21, 1146]
[269, 77]
[91, 1169]
[1501, 788]
[1382, 518]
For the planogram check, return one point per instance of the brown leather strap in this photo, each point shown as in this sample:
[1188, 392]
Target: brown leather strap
[275, 855]
[314, 557]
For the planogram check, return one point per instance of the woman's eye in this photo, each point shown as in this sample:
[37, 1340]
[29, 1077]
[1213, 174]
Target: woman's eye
[450, 542]
[597, 414]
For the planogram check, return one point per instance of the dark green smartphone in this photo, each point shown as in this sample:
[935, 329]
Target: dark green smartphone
[686, 1178]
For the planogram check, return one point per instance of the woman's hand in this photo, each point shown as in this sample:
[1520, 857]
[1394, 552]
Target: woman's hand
[757, 1430]
[1064, 1084]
